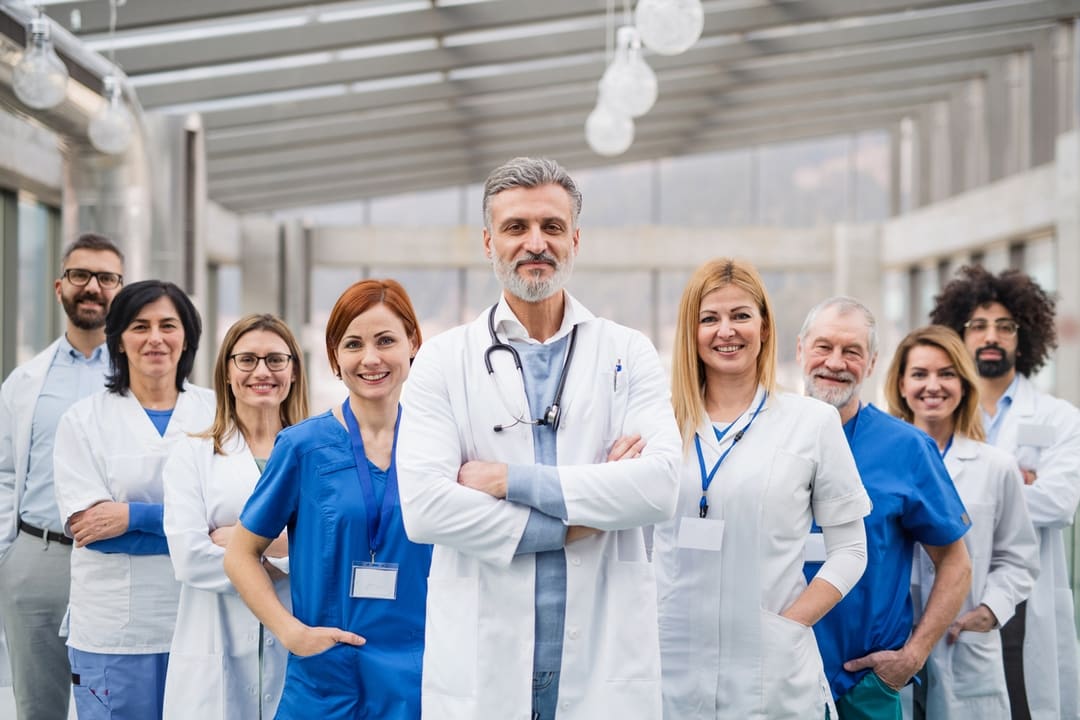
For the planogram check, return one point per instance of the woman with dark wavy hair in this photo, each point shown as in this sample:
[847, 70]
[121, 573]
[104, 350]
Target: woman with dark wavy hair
[110, 451]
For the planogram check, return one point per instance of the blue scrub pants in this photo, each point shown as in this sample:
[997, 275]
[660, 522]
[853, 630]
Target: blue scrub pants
[348, 682]
[118, 687]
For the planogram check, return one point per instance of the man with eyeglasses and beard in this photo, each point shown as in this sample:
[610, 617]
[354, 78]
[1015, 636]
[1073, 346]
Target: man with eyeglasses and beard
[35, 555]
[1007, 322]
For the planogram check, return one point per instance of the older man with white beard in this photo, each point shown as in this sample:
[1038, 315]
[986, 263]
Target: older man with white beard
[541, 599]
[867, 643]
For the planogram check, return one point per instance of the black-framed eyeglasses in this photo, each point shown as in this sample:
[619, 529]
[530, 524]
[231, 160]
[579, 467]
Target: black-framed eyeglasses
[247, 362]
[80, 278]
[1004, 326]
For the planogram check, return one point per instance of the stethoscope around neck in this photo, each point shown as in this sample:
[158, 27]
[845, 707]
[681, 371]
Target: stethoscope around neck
[553, 415]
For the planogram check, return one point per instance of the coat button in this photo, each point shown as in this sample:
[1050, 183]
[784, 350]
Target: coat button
[575, 560]
[573, 634]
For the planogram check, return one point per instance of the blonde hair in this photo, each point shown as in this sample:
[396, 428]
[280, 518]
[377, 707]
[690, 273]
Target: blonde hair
[687, 371]
[292, 410]
[966, 418]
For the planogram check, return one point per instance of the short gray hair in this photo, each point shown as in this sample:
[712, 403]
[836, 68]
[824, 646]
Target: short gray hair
[844, 305]
[527, 172]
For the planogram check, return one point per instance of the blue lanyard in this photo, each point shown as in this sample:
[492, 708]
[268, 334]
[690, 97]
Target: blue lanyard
[948, 446]
[377, 522]
[707, 478]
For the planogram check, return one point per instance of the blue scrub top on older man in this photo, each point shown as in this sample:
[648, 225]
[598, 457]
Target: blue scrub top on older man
[914, 501]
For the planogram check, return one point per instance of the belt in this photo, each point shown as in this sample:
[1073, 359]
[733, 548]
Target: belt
[46, 534]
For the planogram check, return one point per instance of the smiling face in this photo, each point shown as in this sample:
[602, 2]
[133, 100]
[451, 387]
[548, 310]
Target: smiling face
[373, 356]
[87, 306]
[931, 385]
[835, 358]
[532, 240]
[729, 333]
[153, 341]
[993, 350]
[260, 388]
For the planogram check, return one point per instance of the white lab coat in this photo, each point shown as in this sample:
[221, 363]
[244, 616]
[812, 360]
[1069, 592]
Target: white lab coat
[1043, 433]
[480, 608]
[727, 652]
[967, 679]
[214, 671]
[18, 398]
[107, 448]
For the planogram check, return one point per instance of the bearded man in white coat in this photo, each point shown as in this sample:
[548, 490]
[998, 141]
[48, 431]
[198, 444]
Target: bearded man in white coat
[1007, 322]
[35, 555]
[541, 597]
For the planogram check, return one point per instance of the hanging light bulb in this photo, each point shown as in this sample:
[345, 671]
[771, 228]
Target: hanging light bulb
[40, 77]
[111, 128]
[628, 86]
[669, 27]
[608, 132]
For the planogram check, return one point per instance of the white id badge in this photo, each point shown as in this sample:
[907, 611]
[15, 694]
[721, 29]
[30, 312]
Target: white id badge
[1035, 435]
[701, 534]
[377, 581]
[814, 549]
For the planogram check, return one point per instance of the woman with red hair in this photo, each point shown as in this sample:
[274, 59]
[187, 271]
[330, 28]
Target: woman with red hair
[356, 631]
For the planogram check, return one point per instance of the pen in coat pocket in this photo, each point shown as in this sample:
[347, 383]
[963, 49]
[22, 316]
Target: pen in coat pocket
[615, 375]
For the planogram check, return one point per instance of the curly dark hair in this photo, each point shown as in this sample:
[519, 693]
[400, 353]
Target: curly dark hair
[1031, 307]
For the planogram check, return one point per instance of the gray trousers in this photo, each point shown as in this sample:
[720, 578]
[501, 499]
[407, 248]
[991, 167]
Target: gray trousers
[35, 578]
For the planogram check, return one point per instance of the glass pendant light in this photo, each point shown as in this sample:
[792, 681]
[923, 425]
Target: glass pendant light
[39, 77]
[111, 128]
[669, 27]
[608, 132]
[628, 86]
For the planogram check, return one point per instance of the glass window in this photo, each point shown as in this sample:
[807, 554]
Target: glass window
[709, 190]
[38, 242]
[616, 196]
[420, 209]
[804, 184]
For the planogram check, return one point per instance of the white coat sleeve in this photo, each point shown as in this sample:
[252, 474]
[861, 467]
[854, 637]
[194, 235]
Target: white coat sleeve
[644, 490]
[78, 471]
[434, 508]
[1014, 557]
[9, 523]
[1053, 497]
[196, 560]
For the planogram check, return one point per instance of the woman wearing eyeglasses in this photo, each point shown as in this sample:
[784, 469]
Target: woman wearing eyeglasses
[355, 634]
[107, 473]
[931, 384]
[223, 665]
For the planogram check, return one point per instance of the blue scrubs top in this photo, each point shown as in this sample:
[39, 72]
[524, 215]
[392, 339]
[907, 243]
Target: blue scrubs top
[310, 486]
[914, 501]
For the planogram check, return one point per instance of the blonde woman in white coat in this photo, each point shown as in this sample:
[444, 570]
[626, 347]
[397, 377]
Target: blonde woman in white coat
[931, 383]
[223, 665]
[759, 465]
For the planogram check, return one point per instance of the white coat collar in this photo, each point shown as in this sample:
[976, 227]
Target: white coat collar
[507, 323]
[705, 428]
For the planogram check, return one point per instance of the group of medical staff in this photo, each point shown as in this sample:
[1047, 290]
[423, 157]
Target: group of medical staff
[235, 558]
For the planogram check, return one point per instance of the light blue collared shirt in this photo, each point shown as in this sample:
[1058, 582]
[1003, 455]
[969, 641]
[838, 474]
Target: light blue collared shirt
[992, 423]
[71, 377]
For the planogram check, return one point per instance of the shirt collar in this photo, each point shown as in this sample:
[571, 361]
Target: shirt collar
[507, 323]
[1007, 397]
[850, 425]
[67, 350]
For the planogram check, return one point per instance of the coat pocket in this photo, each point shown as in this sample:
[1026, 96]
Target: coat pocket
[977, 665]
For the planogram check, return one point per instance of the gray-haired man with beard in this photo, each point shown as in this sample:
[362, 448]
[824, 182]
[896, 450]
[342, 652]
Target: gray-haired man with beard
[867, 642]
[541, 599]
[35, 555]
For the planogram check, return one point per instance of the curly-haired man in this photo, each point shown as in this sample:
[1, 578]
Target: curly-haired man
[1007, 322]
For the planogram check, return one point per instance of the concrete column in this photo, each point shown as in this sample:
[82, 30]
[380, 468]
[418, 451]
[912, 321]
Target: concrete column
[1067, 249]
[260, 266]
[976, 170]
[997, 120]
[1065, 76]
[295, 273]
[941, 153]
[1042, 108]
[1018, 83]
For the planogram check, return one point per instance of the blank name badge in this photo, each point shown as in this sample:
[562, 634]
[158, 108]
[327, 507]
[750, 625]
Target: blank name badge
[374, 581]
[814, 549]
[1035, 435]
[701, 534]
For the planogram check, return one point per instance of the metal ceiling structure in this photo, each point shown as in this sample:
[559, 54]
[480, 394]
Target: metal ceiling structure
[316, 102]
